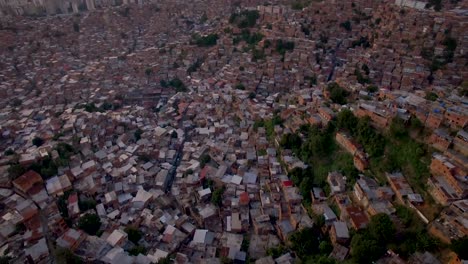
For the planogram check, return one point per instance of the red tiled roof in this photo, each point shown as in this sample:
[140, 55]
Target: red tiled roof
[26, 181]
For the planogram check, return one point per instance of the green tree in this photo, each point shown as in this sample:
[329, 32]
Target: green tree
[431, 96]
[372, 88]
[277, 251]
[346, 120]
[178, 85]
[240, 86]
[205, 41]
[148, 72]
[460, 247]
[365, 249]
[15, 170]
[204, 159]
[217, 196]
[338, 95]
[90, 223]
[137, 134]
[135, 251]
[398, 129]
[166, 260]
[86, 204]
[65, 256]
[382, 228]
[37, 141]
[134, 234]
[304, 242]
[346, 25]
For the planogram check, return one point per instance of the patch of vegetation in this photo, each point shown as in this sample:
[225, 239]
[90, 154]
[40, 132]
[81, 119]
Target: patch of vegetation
[45, 167]
[278, 251]
[217, 196]
[66, 256]
[269, 125]
[437, 4]
[250, 38]
[283, 46]
[372, 89]
[317, 147]
[311, 79]
[459, 246]
[258, 54]
[204, 41]
[9, 152]
[361, 42]
[244, 19]
[135, 251]
[194, 67]
[137, 134]
[204, 159]
[134, 235]
[360, 77]
[431, 96]
[240, 86]
[176, 83]
[37, 141]
[338, 95]
[87, 204]
[300, 4]
[90, 223]
[346, 25]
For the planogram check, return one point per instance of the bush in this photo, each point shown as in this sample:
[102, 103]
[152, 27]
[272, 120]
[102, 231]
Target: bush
[205, 41]
[204, 159]
[90, 223]
[304, 242]
[134, 235]
[365, 249]
[135, 251]
[381, 228]
[137, 134]
[372, 88]
[245, 19]
[240, 86]
[65, 256]
[431, 96]
[337, 93]
[37, 141]
[178, 85]
[460, 247]
[283, 46]
[217, 196]
[9, 152]
[346, 25]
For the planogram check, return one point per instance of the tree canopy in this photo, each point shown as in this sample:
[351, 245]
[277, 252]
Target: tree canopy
[338, 95]
[90, 223]
[134, 235]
